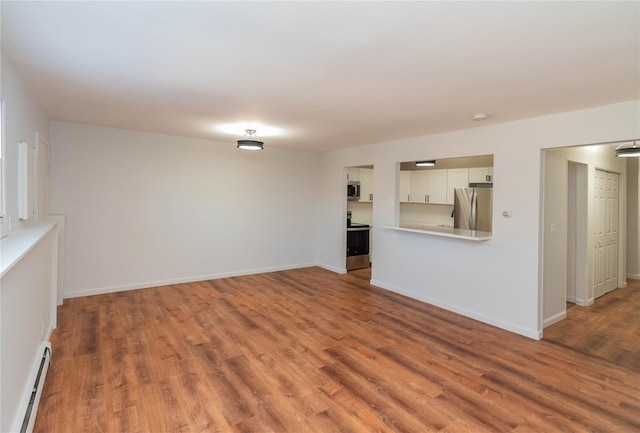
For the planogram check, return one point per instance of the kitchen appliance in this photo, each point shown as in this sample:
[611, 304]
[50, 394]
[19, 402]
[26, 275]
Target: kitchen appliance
[472, 208]
[353, 190]
[357, 245]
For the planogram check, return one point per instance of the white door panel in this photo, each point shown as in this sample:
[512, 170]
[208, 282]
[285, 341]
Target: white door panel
[605, 240]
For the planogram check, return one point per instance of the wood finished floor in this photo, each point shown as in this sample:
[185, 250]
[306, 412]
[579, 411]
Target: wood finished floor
[608, 329]
[312, 351]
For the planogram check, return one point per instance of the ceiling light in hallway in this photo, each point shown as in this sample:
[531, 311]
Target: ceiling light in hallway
[250, 141]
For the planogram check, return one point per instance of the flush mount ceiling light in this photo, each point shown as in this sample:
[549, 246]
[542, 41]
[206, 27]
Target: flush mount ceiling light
[625, 152]
[425, 163]
[480, 116]
[250, 141]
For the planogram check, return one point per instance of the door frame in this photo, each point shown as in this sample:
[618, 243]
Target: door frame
[553, 265]
[577, 233]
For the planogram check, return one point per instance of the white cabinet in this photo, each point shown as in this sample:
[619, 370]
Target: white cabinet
[481, 175]
[437, 192]
[404, 193]
[428, 186]
[353, 173]
[437, 186]
[366, 184]
[456, 178]
[419, 186]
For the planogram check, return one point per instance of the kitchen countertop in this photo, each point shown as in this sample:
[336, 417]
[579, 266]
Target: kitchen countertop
[449, 232]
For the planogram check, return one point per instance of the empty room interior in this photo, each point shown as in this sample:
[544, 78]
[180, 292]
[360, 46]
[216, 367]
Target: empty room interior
[320, 216]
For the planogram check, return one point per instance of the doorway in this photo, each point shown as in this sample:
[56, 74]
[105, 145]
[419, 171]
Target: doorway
[583, 192]
[360, 197]
[599, 187]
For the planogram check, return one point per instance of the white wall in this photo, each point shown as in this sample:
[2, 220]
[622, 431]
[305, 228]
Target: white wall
[26, 296]
[497, 281]
[27, 317]
[147, 209]
[555, 213]
[23, 119]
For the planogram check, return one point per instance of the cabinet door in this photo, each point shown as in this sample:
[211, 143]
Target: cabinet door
[456, 178]
[481, 175]
[353, 173]
[405, 187]
[366, 184]
[428, 186]
[419, 186]
[437, 186]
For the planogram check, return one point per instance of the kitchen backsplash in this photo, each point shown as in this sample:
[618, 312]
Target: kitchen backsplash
[416, 213]
[361, 212]
[433, 214]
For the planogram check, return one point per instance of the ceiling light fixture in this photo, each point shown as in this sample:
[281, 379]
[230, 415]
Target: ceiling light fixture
[425, 163]
[626, 152]
[250, 141]
[480, 116]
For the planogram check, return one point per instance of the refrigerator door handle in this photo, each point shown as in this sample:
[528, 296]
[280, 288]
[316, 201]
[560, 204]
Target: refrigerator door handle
[474, 208]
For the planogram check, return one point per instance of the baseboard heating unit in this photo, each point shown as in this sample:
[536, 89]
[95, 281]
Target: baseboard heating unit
[34, 398]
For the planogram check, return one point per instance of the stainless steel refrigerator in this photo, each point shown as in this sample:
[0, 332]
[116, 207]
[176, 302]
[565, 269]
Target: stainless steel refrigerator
[473, 208]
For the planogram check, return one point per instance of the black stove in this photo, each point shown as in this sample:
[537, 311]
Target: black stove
[351, 225]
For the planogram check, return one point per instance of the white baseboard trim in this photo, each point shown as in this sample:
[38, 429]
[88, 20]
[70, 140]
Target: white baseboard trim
[583, 302]
[580, 302]
[530, 333]
[554, 319]
[633, 276]
[189, 279]
[341, 271]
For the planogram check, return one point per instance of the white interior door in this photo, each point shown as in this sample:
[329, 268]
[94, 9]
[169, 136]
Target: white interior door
[605, 241]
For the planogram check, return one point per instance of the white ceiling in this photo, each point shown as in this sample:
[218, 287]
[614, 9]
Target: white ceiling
[329, 74]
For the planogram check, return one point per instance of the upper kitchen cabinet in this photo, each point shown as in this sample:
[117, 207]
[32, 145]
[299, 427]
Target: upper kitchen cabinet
[428, 186]
[404, 192]
[366, 184]
[481, 175]
[362, 179]
[353, 173]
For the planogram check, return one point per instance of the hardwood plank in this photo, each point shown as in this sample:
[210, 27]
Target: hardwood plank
[308, 350]
[608, 329]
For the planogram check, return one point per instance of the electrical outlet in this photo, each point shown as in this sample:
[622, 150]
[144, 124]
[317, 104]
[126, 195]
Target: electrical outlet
[442, 284]
[42, 329]
[552, 229]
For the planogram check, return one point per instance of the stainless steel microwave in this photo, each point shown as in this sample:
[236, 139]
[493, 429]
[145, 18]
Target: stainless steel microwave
[353, 190]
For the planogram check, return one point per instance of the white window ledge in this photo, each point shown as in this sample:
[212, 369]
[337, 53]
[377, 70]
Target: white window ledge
[18, 243]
